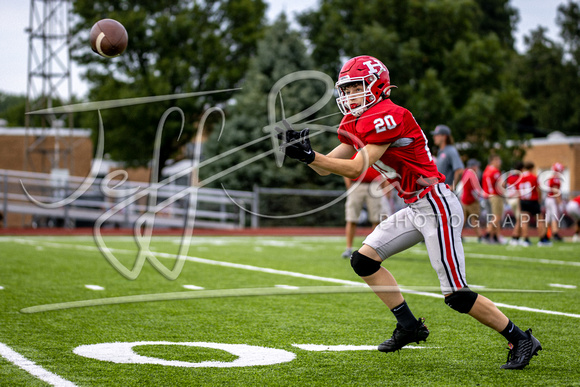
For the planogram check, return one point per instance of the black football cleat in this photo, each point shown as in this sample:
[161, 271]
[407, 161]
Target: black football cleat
[402, 337]
[519, 356]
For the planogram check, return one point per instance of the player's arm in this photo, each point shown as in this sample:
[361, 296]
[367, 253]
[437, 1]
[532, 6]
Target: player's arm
[351, 168]
[457, 177]
[342, 151]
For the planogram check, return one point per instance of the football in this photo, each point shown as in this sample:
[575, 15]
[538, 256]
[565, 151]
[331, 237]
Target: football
[108, 38]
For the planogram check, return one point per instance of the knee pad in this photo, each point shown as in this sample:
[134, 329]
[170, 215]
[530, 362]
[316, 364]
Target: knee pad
[461, 300]
[363, 265]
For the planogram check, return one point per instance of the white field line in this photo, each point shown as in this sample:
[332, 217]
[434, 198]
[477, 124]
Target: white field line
[32, 368]
[523, 259]
[337, 348]
[469, 254]
[287, 273]
[287, 287]
[193, 287]
[563, 286]
[94, 287]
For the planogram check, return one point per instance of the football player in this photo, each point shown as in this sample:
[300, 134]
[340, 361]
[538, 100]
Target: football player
[387, 137]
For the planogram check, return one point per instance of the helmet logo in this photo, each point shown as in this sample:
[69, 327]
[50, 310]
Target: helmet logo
[375, 66]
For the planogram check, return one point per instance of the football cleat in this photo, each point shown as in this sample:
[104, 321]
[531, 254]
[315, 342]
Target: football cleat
[519, 356]
[402, 337]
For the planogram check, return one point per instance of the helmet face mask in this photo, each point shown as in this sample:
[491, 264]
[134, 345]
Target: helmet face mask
[374, 77]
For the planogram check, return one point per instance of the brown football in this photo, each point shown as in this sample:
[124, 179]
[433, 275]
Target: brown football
[109, 38]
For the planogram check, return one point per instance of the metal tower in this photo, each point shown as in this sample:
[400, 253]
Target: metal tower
[49, 82]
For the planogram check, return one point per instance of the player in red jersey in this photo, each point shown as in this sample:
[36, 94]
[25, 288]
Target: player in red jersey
[388, 138]
[553, 202]
[530, 205]
[470, 193]
[512, 194]
[489, 182]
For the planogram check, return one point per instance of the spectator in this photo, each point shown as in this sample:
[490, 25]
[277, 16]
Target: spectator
[530, 205]
[367, 192]
[513, 200]
[448, 161]
[470, 194]
[573, 211]
[489, 181]
[553, 203]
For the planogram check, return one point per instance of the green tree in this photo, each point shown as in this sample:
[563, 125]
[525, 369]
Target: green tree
[12, 108]
[280, 54]
[548, 79]
[175, 46]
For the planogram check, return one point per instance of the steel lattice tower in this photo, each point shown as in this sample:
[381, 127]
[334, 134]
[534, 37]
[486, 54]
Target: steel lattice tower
[49, 82]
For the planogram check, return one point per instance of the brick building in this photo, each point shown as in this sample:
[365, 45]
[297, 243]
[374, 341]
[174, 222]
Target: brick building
[557, 147]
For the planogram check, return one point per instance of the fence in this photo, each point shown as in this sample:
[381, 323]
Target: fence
[122, 203]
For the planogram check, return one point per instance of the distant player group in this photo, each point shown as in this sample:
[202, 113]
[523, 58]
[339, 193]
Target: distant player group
[523, 193]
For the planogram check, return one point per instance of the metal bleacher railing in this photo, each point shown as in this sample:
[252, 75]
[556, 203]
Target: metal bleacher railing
[211, 208]
[123, 205]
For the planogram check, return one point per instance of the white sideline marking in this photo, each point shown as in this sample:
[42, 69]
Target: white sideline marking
[193, 287]
[336, 348]
[1, 287]
[33, 369]
[94, 287]
[287, 287]
[523, 259]
[563, 286]
[300, 275]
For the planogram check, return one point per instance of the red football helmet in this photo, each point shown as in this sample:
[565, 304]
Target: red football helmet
[374, 76]
[558, 167]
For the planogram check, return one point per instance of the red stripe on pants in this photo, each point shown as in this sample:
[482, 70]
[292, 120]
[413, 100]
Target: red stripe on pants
[446, 238]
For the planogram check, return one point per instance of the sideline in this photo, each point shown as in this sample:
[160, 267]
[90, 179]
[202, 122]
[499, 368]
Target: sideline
[240, 292]
[32, 368]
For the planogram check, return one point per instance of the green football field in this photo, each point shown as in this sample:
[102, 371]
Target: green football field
[270, 311]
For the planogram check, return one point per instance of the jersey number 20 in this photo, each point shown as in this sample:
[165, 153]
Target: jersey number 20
[382, 124]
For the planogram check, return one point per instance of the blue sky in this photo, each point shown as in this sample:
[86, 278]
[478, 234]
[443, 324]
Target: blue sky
[14, 18]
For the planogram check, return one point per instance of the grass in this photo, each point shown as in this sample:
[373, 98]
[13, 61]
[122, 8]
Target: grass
[37, 271]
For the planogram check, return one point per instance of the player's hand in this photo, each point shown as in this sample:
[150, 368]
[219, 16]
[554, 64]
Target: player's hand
[296, 145]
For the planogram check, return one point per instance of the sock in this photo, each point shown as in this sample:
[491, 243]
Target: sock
[404, 316]
[513, 334]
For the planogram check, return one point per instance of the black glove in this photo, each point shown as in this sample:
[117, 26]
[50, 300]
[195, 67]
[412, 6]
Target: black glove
[296, 145]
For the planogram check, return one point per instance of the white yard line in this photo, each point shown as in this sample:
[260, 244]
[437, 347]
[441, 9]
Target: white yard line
[193, 287]
[295, 274]
[94, 287]
[32, 368]
[338, 348]
[563, 286]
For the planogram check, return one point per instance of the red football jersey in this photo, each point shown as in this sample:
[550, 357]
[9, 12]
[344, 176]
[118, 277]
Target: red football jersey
[512, 182]
[528, 187]
[554, 184]
[407, 163]
[471, 188]
[489, 180]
